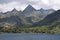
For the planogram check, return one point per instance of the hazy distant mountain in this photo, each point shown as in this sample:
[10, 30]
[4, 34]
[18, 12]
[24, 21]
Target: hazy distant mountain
[28, 16]
[47, 11]
[51, 20]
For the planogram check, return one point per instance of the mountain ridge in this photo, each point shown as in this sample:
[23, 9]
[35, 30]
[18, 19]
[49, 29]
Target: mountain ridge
[29, 16]
[50, 20]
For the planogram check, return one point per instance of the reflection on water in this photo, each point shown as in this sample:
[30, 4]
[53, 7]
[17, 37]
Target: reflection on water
[17, 36]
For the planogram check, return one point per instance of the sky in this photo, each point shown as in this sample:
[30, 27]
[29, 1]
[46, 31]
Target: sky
[8, 5]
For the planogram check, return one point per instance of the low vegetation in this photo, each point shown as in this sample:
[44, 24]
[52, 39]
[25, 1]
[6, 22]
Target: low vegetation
[43, 29]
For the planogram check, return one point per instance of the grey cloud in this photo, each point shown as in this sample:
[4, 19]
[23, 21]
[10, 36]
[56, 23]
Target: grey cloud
[8, 1]
[21, 4]
[5, 1]
[21, 1]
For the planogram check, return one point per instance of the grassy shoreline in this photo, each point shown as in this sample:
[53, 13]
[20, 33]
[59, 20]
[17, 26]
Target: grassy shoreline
[29, 30]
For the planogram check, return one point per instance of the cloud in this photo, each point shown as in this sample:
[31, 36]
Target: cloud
[7, 5]
[5, 1]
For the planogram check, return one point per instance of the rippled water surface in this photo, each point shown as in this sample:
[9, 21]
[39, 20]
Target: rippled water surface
[17, 36]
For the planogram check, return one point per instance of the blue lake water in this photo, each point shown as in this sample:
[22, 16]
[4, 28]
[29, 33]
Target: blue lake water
[27, 36]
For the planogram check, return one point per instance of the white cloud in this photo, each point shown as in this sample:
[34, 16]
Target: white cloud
[7, 5]
[45, 2]
[11, 5]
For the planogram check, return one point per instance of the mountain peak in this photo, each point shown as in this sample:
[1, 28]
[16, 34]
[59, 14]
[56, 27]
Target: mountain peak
[41, 9]
[29, 8]
[14, 10]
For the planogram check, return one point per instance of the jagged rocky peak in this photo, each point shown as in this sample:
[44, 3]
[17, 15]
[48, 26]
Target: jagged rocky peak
[47, 11]
[29, 8]
[41, 9]
[14, 10]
